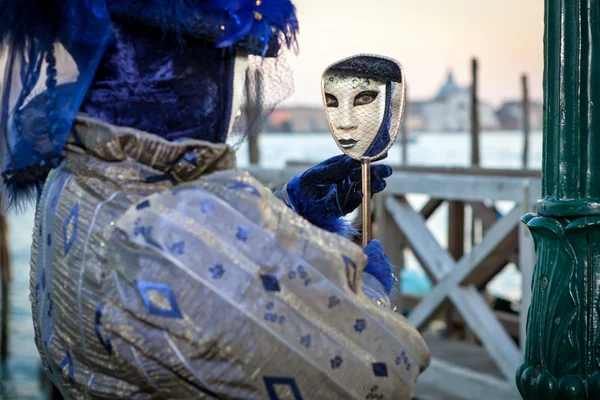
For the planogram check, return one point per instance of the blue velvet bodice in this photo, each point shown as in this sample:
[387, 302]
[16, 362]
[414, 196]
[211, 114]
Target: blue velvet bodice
[150, 82]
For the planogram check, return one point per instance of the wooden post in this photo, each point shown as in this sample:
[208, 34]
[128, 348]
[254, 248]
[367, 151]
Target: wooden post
[474, 138]
[562, 354]
[4, 283]
[254, 114]
[405, 131]
[525, 121]
[456, 247]
[474, 116]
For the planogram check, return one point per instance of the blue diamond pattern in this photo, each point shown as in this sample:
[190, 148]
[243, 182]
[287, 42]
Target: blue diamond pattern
[177, 248]
[333, 301]
[105, 343]
[217, 271]
[350, 272]
[206, 206]
[360, 325]
[49, 240]
[271, 381]
[306, 340]
[270, 283]
[161, 178]
[142, 205]
[243, 233]
[380, 369]
[44, 279]
[336, 362]
[67, 362]
[190, 157]
[73, 217]
[144, 287]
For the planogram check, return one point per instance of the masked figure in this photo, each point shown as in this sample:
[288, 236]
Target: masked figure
[158, 269]
[363, 96]
[357, 107]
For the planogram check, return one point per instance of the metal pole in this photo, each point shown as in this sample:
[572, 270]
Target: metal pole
[562, 353]
[366, 200]
[404, 130]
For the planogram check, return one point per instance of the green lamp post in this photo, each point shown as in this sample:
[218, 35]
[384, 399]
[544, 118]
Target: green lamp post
[562, 355]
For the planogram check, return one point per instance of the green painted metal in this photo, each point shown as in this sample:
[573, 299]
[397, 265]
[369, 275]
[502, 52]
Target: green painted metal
[562, 357]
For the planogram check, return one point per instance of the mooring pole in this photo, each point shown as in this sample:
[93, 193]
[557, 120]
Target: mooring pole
[562, 354]
[526, 125]
[253, 115]
[474, 116]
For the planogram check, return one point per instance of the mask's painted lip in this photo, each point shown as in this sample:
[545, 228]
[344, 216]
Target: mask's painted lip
[348, 143]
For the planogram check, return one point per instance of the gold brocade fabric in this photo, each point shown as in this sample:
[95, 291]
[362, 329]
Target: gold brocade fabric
[160, 272]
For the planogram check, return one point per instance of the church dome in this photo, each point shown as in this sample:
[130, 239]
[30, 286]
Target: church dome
[449, 88]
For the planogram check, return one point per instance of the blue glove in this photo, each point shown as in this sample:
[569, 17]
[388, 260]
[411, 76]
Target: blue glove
[331, 190]
[379, 266]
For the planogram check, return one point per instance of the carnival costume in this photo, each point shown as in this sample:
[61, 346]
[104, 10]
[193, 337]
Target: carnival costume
[158, 269]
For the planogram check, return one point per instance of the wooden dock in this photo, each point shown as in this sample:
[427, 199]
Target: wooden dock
[466, 359]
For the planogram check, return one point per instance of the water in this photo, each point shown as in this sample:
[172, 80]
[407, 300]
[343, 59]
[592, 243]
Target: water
[19, 376]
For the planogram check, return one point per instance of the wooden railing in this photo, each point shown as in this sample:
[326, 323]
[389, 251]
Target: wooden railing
[458, 277]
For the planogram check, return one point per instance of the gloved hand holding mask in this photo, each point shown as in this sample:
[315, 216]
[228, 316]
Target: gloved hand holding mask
[330, 190]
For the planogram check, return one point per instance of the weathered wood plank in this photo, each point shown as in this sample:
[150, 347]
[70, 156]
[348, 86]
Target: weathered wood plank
[465, 266]
[466, 384]
[513, 173]
[436, 261]
[488, 215]
[468, 188]
[460, 188]
[487, 328]
[496, 260]
[431, 206]
[511, 322]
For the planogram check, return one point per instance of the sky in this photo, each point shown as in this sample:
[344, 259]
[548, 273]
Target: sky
[428, 37]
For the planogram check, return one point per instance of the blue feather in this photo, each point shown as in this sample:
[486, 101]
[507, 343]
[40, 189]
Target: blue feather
[270, 23]
[260, 19]
[378, 265]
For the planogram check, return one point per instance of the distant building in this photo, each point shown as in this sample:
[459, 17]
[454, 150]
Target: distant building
[449, 111]
[510, 115]
[298, 119]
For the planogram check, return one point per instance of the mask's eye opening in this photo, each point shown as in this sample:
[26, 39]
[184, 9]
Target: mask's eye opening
[330, 100]
[364, 98]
